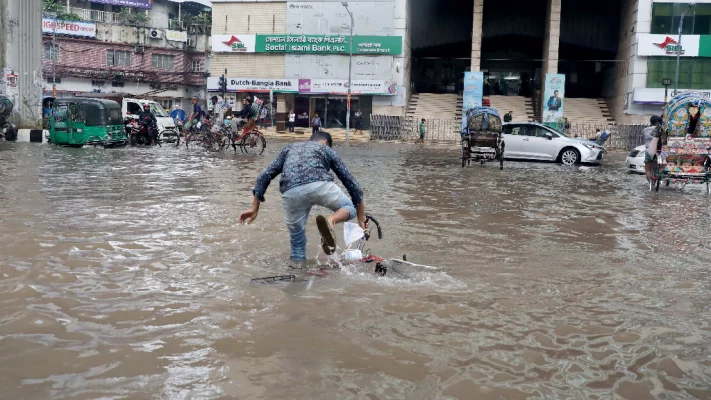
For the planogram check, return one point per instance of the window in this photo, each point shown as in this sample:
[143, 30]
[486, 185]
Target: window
[196, 66]
[694, 73]
[512, 130]
[51, 52]
[118, 58]
[116, 84]
[133, 108]
[666, 18]
[56, 80]
[167, 104]
[162, 61]
[97, 83]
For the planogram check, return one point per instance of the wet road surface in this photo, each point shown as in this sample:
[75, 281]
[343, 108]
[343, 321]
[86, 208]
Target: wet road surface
[124, 274]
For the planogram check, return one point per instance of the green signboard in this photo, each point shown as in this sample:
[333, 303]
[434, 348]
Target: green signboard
[325, 44]
[705, 46]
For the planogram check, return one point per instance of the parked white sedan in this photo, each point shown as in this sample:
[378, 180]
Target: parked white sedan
[534, 141]
[635, 160]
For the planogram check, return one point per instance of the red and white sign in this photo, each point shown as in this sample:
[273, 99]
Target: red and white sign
[666, 45]
[233, 43]
[70, 28]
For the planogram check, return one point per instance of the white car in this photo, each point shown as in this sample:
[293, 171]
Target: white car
[534, 141]
[635, 160]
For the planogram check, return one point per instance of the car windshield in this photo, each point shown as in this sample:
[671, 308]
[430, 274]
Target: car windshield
[158, 110]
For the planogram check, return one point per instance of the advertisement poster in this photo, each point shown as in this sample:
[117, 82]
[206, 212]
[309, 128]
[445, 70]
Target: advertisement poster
[365, 68]
[331, 18]
[473, 93]
[70, 28]
[127, 3]
[554, 98]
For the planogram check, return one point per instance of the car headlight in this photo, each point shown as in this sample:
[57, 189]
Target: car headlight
[589, 146]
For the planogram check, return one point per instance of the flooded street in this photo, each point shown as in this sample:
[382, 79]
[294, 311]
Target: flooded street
[125, 275]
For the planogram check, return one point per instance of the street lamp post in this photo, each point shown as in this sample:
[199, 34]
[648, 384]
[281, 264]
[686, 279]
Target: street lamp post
[350, 69]
[678, 49]
[666, 82]
[54, 53]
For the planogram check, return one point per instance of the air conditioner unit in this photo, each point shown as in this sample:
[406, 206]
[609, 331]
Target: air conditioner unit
[155, 34]
[139, 49]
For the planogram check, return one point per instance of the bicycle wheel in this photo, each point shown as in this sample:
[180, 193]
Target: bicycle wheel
[254, 143]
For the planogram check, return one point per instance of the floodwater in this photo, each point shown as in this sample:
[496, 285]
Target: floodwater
[124, 274]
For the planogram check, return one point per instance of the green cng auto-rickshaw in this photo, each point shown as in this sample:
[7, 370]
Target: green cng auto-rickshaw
[81, 121]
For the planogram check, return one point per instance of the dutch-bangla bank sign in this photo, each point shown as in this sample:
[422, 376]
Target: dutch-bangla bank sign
[304, 86]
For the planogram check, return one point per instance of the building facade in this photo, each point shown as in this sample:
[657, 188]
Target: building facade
[143, 50]
[298, 53]
[648, 53]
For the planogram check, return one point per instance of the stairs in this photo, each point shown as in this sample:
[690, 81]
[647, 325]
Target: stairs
[522, 107]
[588, 111]
[435, 106]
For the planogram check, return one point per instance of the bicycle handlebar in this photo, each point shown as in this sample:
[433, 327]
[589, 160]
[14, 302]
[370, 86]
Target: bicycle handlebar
[377, 225]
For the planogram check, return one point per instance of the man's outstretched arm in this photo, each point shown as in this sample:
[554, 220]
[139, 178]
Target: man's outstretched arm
[263, 181]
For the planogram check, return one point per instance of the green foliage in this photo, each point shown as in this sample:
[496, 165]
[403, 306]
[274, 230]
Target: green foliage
[201, 23]
[60, 8]
[133, 18]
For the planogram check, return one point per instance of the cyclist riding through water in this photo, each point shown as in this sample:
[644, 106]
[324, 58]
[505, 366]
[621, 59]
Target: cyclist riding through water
[246, 117]
[195, 117]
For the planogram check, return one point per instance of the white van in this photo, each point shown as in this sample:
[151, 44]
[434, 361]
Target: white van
[166, 126]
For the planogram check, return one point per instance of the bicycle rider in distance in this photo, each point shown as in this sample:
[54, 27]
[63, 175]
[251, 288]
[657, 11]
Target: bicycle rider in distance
[246, 118]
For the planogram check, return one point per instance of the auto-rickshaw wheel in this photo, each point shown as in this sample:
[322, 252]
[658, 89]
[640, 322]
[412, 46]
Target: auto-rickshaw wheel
[466, 153]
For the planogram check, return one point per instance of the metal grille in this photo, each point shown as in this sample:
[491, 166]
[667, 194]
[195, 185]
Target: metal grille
[406, 128]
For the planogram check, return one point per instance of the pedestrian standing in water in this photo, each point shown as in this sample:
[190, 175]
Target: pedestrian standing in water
[316, 123]
[305, 182]
[421, 128]
[292, 121]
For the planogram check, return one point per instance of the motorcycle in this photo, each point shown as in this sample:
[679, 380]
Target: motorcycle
[139, 132]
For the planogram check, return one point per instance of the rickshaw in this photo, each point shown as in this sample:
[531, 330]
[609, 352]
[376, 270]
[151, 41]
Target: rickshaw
[78, 121]
[482, 140]
[685, 143]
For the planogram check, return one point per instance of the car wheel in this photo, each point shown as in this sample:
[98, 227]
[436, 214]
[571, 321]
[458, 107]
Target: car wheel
[569, 156]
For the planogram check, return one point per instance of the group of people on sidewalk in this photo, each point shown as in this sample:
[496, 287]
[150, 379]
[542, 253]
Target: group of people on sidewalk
[316, 122]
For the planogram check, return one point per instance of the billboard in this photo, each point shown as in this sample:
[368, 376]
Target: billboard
[336, 67]
[554, 98]
[233, 43]
[473, 93]
[331, 18]
[69, 28]
[307, 44]
[127, 3]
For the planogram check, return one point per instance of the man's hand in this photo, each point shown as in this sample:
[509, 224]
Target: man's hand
[360, 215]
[248, 216]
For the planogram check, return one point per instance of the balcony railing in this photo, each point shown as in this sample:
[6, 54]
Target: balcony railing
[111, 17]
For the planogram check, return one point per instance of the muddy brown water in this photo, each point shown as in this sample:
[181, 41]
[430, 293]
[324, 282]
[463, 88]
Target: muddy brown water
[124, 275]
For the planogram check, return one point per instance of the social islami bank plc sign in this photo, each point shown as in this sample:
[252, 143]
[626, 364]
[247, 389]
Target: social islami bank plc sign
[307, 44]
[666, 45]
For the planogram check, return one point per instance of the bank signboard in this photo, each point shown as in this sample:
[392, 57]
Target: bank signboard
[307, 44]
[667, 45]
[70, 28]
[329, 44]
[127, 3]
[304, 86]
[233, 43]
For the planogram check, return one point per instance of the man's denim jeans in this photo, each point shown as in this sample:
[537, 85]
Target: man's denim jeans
[297, 205]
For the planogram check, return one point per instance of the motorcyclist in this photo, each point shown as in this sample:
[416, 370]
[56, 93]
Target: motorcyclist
[147, 117]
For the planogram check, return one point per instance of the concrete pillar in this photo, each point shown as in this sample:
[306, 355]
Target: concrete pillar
[552, 39]
[477, 34]
[21, 57]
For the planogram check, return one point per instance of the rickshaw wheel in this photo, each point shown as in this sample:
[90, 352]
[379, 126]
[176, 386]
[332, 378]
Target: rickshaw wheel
[466, 150]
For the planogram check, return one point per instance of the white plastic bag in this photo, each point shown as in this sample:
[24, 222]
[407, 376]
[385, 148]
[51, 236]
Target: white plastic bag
[352, 233]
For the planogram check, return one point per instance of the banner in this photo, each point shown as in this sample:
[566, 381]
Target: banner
[473, 93]
[70, 28]
[553, 98]
[329, 44]
[176, 36]
[667, 45]
[233, 43]
[304, 86]
[126, 3]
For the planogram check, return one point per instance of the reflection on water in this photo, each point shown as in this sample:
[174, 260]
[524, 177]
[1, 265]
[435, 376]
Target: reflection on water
[125, 275]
